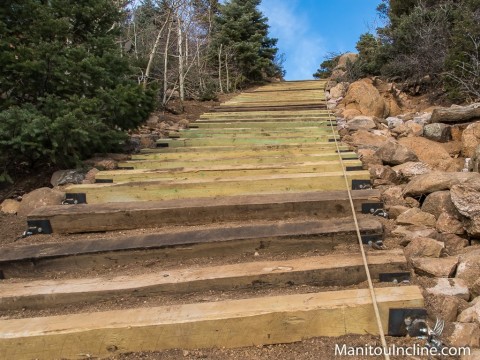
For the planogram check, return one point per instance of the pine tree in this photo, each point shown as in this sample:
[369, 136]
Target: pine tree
[65, 90]
[242, 29]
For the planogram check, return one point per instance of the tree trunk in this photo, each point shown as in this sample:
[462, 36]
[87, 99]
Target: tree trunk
[153, 52]
[165, 66]
[181, 75]
[456, 115]
[220, 68]
[228, 75]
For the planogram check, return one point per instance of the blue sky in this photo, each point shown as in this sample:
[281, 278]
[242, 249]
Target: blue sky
[308, 29]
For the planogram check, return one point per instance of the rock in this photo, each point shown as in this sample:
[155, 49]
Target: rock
[446, 307]
[423, 247]
[476, 160]
[90, 176]
[423, 119]
[430, 152]
[400, 131]
[363, 96]
[413, 129]
[443, 267]
[396, 210]
[469, 267]
[392, 153]
[345, 59]
[414, 231]
[365, 139]
[361, 122]
[412, 202]
[183, 124]
[437, 181]
[466, 199]
[450, 287]
[474, 354]
[148, 141]
[339, 90]
[471, 314]
[411, 169]
[437, 132]
[393, 196]
[39, 198]
[393, 122]
[471, 140]
[153, 121]
[453, 243]
[64, 177]
[9, 206]
[384, 173]
[464, 335]
[351, 113]
[456, 114]
[368, 158]
[439, 202]
[446, 223]
[415, 216]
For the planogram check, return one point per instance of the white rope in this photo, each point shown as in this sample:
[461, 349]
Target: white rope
[360, 242]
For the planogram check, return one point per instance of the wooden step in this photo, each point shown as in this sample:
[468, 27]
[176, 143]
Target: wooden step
[294, 238]
[170, 188]
[235, 323]
[322, 271]
[205, 172]
[245, 141]
[148, 214]
[249, 133]
[269, 124]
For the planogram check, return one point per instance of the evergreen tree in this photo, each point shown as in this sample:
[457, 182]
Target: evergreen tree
[65, 90]
[243, 29]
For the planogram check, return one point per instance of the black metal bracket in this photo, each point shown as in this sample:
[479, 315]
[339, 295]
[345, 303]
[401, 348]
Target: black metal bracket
[342, 151]
[103, 181]
[331, 140]
[373, 238]
[376, 209]
[162, 145]
[35, 227]
[2, 275]
[354, 168]
[394, 277]
[398, 320]
[125, 168]
[361, 185]
[75, 198]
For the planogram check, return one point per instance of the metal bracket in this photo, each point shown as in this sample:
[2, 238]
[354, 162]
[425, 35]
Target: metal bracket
[75, 198]
[162, 145]
[354, 168]
[2, 275]
[361, 185]
[373, 238]
[342, 151]
[399, 320]
[126, 167]
[35, 227]
[375, 209]
[331, 140]
[103, 181]
[394, 277]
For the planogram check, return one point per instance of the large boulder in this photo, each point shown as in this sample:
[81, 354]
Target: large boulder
[453, 244]
[393, 122]
[345, 59]
[449, 224]
[39, 198]
[437, 181]
[471, 140]
[466, 199]
[361, 122]
[463, 334]
[364, 139]
[393, 153]
[431, 153]
[364, 97]
[415, 216]
[439, 202]
[472, 313]
[437, 132]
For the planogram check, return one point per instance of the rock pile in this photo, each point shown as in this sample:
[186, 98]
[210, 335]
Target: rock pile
[418, 161]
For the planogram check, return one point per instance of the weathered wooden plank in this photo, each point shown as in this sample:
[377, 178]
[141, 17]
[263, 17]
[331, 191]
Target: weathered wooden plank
[217, 141]
[249, 133]
[148, 214]
[254, 130]
[233, 160]
[169, 188]
[236, 323]
[267, 113]
[323, 271]
[222, 171]
[268, 124]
